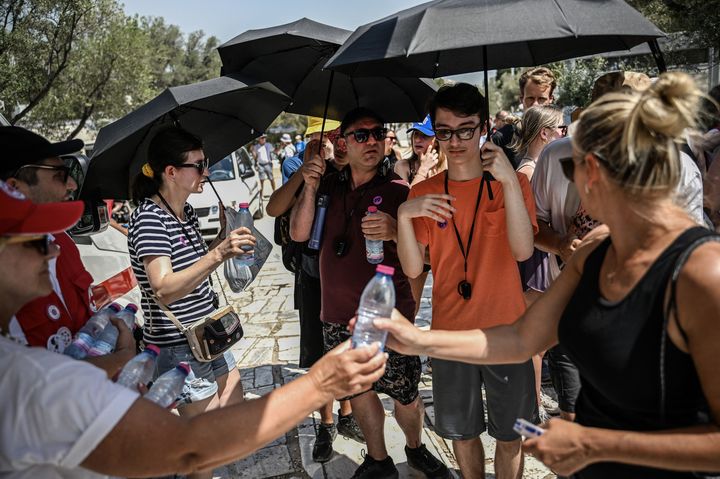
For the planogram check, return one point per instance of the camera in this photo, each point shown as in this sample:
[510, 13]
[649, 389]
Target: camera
[341, 246]
[465, 289]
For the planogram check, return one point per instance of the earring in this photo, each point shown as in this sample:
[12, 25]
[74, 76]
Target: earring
[587, 189]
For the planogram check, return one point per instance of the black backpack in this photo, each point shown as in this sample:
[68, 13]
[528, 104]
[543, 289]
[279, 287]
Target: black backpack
[291, 250]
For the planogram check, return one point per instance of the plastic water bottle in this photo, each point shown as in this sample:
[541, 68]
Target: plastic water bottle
[319, 222]
[85, 337]
[168, 387]
[140, 369]
[373, 248]
[377, 301]
[106, 342]
[246, 220]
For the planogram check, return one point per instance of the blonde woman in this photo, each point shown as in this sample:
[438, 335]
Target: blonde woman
[637, 310]
[541, 125]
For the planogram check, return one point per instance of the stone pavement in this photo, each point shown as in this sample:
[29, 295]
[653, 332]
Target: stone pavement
[267, 357]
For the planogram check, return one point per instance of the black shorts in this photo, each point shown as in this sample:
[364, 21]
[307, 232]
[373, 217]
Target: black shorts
[402, 373]
[311, 331]
[565, 378]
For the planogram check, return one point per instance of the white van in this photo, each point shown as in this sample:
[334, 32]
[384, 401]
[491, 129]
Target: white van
[235, 182]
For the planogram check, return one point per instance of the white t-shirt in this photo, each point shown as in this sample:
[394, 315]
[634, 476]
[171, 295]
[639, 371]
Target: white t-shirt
[55, 411]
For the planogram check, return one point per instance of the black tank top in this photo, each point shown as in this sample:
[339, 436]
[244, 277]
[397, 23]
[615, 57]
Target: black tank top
[616, 347]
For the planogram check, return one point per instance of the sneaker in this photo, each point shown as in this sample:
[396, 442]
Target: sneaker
[550, 405]
[372, 469]
[423, 460]
[323, 450]
[543, 415]
[347, 426]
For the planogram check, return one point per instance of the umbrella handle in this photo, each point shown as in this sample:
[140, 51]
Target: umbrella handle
[327, 104]
[487, 177]
[222, 205]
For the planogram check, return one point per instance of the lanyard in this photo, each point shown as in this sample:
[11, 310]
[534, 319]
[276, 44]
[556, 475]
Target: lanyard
[466, 252]
[190, 238]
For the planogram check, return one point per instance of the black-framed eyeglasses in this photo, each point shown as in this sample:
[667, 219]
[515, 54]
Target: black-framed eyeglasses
[362, 135]
[63, 169]
[445, 134]
[201, 165]
[41, 243]
[563, 129]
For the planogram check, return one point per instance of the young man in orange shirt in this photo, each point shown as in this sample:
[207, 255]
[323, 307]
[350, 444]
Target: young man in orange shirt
[476, 230]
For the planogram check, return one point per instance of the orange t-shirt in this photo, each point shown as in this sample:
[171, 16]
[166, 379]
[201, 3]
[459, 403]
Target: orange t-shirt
[497, 296]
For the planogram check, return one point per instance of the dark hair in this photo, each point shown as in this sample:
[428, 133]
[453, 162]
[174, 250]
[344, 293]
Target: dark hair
[27, 175]
[169, 147]
[462, 99]
[360, 113]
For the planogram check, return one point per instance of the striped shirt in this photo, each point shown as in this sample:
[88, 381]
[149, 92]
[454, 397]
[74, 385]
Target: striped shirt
[155, 232]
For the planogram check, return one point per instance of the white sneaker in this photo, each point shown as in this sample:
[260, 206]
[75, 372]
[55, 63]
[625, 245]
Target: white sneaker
[543, 415]
[549, 404]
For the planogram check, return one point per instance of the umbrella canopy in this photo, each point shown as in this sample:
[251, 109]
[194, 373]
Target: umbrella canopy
[292, 56]
[446, 37]
[225, 112]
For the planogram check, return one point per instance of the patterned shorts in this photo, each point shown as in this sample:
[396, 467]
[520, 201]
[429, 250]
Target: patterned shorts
[402, 373]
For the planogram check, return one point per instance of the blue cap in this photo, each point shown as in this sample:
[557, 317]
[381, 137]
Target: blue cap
[425, 127]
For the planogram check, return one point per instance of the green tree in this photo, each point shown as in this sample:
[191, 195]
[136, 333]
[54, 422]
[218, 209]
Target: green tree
[36, 41]
[698, 18]
[108, 75]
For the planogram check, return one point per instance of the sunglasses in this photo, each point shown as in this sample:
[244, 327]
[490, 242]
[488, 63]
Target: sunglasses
[64, 170]
[201, 166]
[42, 243]
[362, 135]
[391, 138]
[568, 166]
[563, 129]
[445, 134]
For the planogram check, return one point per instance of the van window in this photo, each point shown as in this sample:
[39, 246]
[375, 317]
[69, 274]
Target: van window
[222, 170]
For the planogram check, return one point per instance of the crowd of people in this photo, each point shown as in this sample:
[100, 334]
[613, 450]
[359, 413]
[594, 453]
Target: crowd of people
[589, 245]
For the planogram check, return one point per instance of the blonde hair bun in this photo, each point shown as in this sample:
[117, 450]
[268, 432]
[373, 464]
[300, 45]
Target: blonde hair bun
[670, 105]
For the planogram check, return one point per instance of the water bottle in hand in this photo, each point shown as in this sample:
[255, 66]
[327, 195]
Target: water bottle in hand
[140, 369]
[246, 220]
[106, 342]
[85, 337]
[377, 301]
[168, 387]
[373, 248]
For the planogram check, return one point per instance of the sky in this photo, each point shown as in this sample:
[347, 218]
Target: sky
[228, 18]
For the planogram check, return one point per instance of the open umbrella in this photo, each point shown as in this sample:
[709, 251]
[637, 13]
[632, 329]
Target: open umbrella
[447, 37]
[225, 112]
[292, 56]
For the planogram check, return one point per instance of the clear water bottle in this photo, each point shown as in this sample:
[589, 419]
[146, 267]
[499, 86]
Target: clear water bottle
[246, 220]
[140, 369]
[106, 342]
[166, 390]
[85, 337]
[377, 301]
[373, 248]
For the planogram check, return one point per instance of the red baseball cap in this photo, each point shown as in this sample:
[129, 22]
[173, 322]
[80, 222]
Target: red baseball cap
[20, 216]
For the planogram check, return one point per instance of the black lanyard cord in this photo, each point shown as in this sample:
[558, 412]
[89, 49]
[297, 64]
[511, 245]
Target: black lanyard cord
[190, 238]
[466, 253]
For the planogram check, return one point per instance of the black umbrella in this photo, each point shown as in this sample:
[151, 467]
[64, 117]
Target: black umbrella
[447, 37]
[292, 56]
[225, 112]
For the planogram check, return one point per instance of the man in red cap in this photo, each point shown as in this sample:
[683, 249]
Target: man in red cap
[32, 165]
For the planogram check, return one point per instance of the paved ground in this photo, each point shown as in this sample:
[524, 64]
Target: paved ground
[267, 357]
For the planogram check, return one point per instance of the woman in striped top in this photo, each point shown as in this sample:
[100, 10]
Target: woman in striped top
[173, 265]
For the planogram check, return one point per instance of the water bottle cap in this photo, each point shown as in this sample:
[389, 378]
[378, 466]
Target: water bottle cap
[372, 209]
[184, 367]
[244, 205]
[151, 348]
[132, 307]
[384, 269]
[115, 307]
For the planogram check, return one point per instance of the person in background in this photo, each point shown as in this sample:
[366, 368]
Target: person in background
[299, 144]
[500, 117]
[262, 153]
[32, 165]
[537, 87]
[173, 265]
[65, 418]
[392, 153]
[287, 150]
[307, 276]
[636, 310]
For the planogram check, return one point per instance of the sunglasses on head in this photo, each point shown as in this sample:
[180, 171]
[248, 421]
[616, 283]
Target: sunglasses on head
[445, 134]
[41, 243]
[201, 165]
[362, 135]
